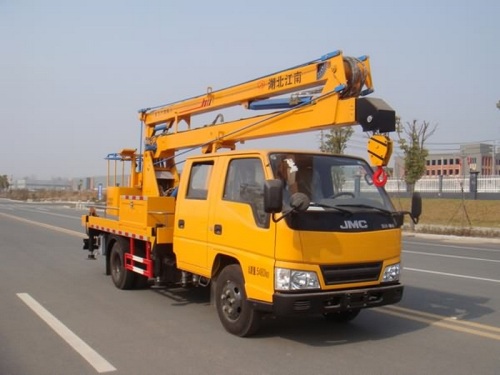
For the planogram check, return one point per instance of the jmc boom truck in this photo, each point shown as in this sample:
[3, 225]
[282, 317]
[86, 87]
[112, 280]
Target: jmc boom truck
[275, 231]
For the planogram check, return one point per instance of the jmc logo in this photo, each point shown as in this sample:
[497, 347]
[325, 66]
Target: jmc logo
[354, 224]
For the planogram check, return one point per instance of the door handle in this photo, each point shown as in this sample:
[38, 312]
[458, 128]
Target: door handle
[218, 229]
[181, 224]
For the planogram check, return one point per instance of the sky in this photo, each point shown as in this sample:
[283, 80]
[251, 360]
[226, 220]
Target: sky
[73, 74]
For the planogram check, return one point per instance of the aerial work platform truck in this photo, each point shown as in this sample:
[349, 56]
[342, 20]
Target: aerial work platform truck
[275, 231]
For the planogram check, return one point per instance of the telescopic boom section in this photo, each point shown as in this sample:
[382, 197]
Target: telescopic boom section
[319, 94]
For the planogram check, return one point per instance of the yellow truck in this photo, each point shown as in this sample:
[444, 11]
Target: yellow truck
[275, 231]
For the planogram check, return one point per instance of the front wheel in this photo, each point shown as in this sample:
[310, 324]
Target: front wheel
[235, 312]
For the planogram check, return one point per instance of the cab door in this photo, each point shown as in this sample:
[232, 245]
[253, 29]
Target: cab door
[240, 228]
[191, 217]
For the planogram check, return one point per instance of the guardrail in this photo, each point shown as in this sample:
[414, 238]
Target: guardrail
[447, 185]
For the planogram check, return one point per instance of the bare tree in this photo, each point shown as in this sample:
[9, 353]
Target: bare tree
[412, 137]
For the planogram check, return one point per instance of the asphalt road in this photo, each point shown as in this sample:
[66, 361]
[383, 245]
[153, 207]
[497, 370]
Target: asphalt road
[59, 314]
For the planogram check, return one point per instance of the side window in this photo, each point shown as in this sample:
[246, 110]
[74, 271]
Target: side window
[245, 184]
[199, 180]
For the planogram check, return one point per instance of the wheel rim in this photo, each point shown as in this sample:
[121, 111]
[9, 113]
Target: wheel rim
[115, 266]
[231, 301]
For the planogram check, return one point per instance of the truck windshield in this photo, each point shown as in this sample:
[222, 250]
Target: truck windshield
[334, 181]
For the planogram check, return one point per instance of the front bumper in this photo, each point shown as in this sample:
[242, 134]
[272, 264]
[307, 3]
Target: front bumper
[333, 301]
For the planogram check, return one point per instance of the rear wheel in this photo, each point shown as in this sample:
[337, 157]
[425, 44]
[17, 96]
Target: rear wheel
[235, 312]
[342, 316]
[141, 282]
[122, 278]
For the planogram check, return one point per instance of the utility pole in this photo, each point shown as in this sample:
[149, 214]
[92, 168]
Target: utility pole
[495, 142]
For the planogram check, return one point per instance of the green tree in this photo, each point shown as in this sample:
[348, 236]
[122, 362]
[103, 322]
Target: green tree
[4, 182]
[412, 137]
[335, 140]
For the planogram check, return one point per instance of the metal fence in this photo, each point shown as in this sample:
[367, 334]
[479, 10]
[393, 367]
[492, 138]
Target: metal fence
[444, 184]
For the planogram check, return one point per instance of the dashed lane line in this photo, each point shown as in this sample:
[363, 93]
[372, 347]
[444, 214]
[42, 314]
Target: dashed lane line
[100, 364]
[452, 275]
[451, 256]
[43, 225]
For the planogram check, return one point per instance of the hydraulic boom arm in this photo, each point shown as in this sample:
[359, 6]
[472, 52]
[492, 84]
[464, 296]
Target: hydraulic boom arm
[337, 82]
[322, 93]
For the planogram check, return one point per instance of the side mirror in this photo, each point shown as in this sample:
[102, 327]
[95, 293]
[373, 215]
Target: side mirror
[273, 196]
[416, 207]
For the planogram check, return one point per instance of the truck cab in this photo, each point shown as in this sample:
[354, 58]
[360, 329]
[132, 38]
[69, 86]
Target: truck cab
[338, 253]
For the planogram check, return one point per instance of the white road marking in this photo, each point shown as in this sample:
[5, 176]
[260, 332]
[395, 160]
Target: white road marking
[450, 256]
[452, 275]
[452, 323]
[462, 239]
[46, 226]
[80, 346]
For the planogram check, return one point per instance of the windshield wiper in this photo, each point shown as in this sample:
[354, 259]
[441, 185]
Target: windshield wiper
[383, 210]
[334, 207]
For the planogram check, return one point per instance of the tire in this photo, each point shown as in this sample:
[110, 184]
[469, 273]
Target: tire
[342, 316]
[141, 282]
[122, 278]
[235, 312]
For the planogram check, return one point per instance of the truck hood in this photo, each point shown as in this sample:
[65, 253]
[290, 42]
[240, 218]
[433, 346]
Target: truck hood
[319, 247]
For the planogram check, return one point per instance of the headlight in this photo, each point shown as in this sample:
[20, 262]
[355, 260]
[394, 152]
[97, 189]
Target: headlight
[391, 273]
[286, 279]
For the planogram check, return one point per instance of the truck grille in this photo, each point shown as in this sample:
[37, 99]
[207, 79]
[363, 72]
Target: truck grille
[351, 273]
